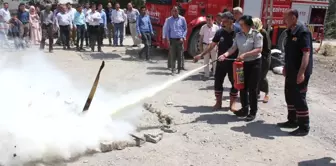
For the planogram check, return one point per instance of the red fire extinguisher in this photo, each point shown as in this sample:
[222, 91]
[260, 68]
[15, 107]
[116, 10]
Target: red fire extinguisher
[238, 75]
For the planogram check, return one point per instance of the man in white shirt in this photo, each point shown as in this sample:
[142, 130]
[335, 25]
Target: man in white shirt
[119, 20]
[93, 19]
[71, 11]
[207, 33]
[132, 16]
[4, 12]
[87, 10]
[110, 28]
[4, 18]
[64, 24]
[56, 11]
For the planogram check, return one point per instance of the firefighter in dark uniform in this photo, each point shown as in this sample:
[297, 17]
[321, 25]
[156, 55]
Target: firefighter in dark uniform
[297, 71]
[224, 39]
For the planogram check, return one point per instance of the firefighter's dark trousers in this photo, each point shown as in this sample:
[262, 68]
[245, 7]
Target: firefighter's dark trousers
[248, 95]
[295, 95]
[224, 68]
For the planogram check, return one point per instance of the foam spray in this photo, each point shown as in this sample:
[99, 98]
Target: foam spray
[38, 125]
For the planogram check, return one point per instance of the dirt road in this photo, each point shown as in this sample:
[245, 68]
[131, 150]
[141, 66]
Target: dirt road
[205, 137]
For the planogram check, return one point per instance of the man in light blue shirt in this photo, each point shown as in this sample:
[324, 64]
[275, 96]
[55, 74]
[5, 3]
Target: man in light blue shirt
[144, 30]
[80, 26]
[176, 32]
[103, 22]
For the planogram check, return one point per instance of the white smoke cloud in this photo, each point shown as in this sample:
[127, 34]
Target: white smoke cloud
[37, 123]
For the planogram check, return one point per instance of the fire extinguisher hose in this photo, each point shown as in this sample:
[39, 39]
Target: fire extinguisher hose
[234, 59]
[229, 59]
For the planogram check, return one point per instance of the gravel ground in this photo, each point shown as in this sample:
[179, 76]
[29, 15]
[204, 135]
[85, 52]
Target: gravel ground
[205, 137]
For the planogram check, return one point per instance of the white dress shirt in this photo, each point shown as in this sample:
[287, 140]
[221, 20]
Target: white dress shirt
[93, 18]
[72, 12]
[87, 12]
[118, 16]
[208, 33]
[63, 19]
[5, 14]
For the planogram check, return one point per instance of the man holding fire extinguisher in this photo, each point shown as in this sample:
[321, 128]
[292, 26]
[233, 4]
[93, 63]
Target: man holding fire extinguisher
[249, 43]
[297, 70]
[224, 39]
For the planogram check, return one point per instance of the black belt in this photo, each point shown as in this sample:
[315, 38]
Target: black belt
[64, 25]
[176, 38]
[47, 25]
[132, 22]
[205, 43]
[94, 25]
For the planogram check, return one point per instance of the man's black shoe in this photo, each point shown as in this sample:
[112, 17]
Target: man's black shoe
[241, 113]
[250, 118]
[288, 124]
[300, 132]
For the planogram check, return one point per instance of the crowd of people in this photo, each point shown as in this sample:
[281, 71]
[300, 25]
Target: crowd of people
[229, 37]
[238, 37]
[75, 25]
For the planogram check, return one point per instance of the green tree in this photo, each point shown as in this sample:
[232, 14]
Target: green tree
[138, 3]
[330, 24]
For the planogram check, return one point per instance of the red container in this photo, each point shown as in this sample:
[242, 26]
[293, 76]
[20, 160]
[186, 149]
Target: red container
[238, 75]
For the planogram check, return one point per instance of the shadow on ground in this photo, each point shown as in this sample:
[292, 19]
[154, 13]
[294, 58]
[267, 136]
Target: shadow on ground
[98, 56]
[61, 48]
[132, 52]
[159, 73]
[158, 68]
[200, 109]
[217, 118]
[261, 130]
[325, 161]
[196, 77]
[226, 89]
